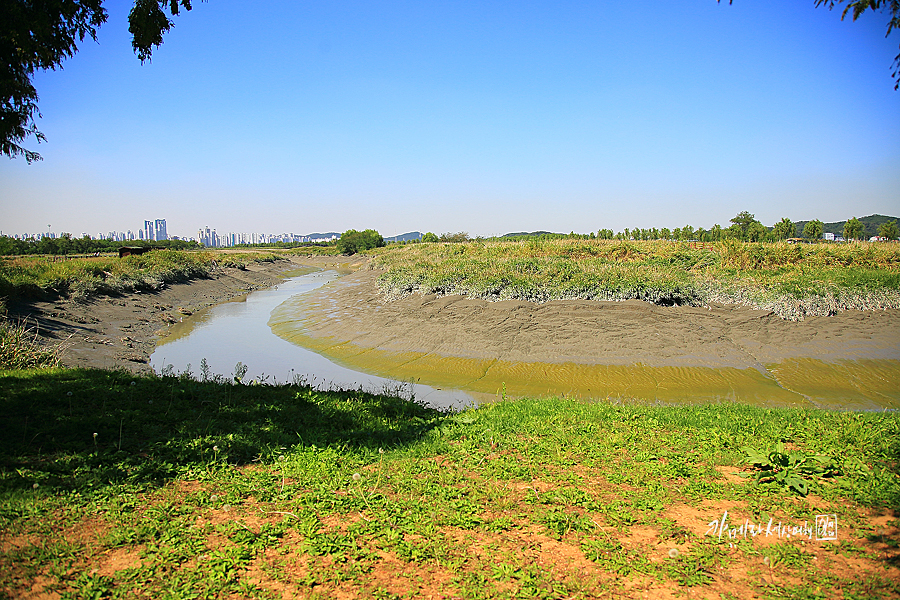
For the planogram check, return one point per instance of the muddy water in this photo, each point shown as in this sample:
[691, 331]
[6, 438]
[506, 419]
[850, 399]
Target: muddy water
[858, 383]
[238, 331]
[807, 382]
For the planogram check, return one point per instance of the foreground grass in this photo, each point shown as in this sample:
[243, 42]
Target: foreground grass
[792, 280]
[117, 486]
[83, 277]
[20, 348]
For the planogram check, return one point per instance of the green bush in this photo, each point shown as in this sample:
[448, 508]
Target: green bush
[353, 241]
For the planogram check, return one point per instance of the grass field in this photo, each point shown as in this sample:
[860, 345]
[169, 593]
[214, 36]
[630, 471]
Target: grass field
[792, 280]
[117, 486]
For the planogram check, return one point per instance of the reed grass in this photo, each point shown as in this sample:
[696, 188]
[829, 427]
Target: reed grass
[20, 348]
[84, 277]
[792, 280]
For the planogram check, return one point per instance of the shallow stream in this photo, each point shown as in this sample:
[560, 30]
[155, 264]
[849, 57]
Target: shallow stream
[265, 331]
[238, 331]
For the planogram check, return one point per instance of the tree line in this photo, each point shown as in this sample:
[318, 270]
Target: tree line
[66, 244]
[744, 227]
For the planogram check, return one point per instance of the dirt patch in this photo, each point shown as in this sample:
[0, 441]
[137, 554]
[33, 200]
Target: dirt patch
[118, 559]
[732, 474]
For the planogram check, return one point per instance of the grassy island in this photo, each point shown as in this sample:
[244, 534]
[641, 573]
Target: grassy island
[38, 276]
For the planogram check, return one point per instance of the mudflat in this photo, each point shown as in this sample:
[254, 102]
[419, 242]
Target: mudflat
[580, 347]
[352, 309]
[596, 349]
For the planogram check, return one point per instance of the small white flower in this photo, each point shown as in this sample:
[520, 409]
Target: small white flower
[68, 393]
[381, 451]
[673, 553]
[35, 486]
[357, 477]
[133, 383]
[215, 448]
[95, 435]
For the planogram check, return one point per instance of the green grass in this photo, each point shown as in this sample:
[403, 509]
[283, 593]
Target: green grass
[114, 485]
[792, 280]
[83, 277]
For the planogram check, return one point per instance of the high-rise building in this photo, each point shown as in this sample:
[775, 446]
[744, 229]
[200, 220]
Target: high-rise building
[160, 230]
[149, 231]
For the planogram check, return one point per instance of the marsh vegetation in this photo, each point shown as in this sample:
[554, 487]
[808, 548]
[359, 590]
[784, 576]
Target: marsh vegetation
[792, 280]
[38, 276]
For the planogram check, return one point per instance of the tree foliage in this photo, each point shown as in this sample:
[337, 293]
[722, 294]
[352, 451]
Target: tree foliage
[353, 241]
[746, 227]
[813, 230]
[40, 35]
[784, 229]
[67, 244]
[461, 236]
[853, 229]
[430, 237]
[889, 230]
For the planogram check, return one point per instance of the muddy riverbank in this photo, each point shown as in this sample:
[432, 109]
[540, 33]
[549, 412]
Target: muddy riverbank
[616, 349]
[113, 332]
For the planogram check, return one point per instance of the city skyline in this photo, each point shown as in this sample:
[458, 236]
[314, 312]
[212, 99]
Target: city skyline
[156, 230]
[487, 118]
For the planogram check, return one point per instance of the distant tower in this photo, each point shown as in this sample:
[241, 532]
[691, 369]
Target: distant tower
[149, 231]
[160, 229]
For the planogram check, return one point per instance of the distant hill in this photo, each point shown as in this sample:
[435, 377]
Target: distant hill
[870, 225]
[322, 236]
[412, 235]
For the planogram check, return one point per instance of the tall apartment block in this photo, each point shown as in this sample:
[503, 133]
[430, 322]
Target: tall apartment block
[155, 231]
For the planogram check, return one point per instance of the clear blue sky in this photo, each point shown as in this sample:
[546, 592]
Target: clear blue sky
[485, 117]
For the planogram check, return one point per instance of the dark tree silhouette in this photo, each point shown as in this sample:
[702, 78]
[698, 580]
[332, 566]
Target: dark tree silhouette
[37, 36]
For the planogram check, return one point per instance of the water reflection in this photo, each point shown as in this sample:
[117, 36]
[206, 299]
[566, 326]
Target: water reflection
[238, 331]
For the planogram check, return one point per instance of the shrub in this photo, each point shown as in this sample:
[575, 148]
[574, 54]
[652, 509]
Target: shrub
[353, 241]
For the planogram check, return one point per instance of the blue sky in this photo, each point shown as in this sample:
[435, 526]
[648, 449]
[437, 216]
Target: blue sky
[485, 117]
